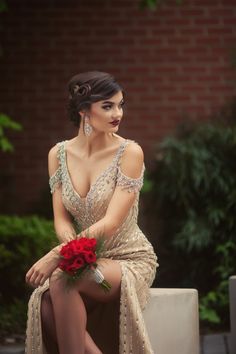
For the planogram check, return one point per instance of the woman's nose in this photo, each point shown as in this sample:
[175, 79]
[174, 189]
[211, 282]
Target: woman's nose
[117, 112]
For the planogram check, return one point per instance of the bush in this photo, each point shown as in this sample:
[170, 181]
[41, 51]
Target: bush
[13, 318]
[193, 194]
[23, 241]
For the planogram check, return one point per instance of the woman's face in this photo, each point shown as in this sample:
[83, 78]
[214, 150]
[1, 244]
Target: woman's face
[103, 113]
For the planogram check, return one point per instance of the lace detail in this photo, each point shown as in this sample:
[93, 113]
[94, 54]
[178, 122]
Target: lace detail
[128, 183]
[99, 179]
[56, 179]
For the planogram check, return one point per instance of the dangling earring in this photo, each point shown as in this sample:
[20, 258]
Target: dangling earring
[87, 127]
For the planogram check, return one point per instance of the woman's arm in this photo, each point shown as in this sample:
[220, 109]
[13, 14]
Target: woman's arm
[62, 219]
[121, 201]
[117, 211]
[63, 225]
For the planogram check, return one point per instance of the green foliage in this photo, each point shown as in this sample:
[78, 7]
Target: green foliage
[207, 313]
[3, 6]
[7, 123]
[194, 195]
[22, 242]
[154, 4]
[13, 318]
[215, 302]
[198, 177]
[147, 184]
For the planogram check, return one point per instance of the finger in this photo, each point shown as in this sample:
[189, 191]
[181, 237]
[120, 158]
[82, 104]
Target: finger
[42, 281]
[33, 277]
[28, 280]
[38, 279]
[28, 275]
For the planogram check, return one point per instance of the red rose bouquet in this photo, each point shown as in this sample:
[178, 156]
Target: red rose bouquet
[79, 256]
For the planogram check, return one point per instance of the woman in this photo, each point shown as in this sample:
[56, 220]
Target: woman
[95, 180]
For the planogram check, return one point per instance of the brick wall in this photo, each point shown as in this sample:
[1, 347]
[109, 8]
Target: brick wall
[174, 63]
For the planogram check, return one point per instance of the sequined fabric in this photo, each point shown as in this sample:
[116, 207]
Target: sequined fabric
[129, 246]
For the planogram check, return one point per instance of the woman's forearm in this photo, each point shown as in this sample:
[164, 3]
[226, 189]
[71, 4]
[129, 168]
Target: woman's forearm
[103, 227]
[65, 231]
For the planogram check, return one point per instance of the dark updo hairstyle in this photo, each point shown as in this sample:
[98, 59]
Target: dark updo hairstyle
[87, 88]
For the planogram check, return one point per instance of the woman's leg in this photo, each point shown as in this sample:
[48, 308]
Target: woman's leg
[49, 328]
[48, 324]
[69, 309]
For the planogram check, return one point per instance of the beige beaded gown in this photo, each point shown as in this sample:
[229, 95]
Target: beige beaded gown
[117, 327]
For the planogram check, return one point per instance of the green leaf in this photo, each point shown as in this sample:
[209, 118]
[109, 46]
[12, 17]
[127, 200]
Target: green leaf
[5, 145]
[3, 6]
[7, 122]
[154, 4]
[207, 314]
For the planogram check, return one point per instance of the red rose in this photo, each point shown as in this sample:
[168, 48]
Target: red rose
[78, 262]
[76, 246]
[83, 240]
[90, 257]
[71, 266]
[66, 265]
[66, 252]
[63, 264]
[92, 243]
[71, 269]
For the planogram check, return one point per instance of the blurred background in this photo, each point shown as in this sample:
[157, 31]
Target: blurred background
[176, 61]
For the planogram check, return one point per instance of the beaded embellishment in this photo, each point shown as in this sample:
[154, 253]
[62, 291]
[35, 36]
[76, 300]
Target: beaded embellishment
[56, 179]
[128, 183]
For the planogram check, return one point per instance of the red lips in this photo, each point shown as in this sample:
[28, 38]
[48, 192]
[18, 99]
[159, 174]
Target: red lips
[115, 122]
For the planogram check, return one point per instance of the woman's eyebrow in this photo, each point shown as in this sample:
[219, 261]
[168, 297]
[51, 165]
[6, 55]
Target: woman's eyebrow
[110, 102]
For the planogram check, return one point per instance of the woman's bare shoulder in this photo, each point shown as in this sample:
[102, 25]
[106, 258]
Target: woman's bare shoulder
[133, 159]
[53, 157]
[133, 151]
[53, 150]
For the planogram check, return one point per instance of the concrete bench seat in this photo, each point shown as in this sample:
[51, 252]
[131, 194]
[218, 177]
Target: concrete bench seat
[172, 321]
[232, 307]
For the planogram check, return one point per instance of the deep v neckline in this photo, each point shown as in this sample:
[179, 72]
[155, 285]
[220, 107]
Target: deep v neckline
[97, 178]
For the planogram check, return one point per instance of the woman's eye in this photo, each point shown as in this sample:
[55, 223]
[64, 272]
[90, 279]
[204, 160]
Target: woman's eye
[106, 107]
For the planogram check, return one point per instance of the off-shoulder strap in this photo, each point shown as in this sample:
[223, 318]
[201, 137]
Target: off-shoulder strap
[56, 179]
[128, 183]
[121, 150]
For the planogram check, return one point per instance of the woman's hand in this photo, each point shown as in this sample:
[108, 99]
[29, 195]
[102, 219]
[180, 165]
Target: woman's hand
[42, 269]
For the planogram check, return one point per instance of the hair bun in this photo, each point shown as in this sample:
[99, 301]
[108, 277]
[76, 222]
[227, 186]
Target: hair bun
[82, 90]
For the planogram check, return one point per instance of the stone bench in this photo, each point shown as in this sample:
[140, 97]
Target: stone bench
[232, 307]
[172, 321]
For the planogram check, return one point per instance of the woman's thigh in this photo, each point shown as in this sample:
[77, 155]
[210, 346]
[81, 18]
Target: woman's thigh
[111, 271]
[90, 291]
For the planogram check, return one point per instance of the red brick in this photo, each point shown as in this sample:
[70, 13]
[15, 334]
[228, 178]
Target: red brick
[173, 62]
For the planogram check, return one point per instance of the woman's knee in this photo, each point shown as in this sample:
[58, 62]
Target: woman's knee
[56, 284]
